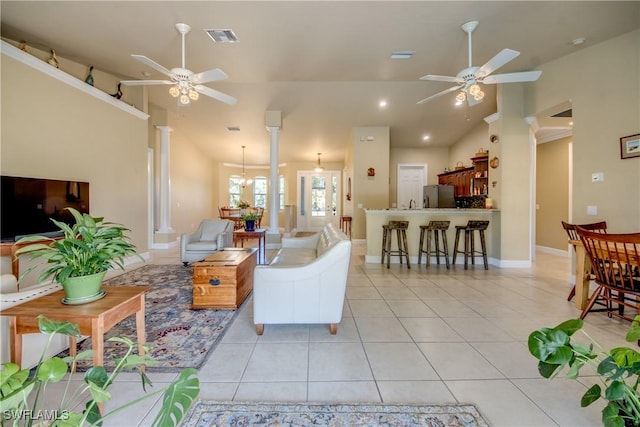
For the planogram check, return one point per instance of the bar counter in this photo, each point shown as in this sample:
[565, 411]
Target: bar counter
[417, 217]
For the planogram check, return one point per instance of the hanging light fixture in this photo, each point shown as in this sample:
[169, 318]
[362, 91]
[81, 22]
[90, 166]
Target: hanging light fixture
[319, 167]
[243, 181]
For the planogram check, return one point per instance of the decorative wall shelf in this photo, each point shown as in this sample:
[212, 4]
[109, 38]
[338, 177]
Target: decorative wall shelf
[39, 65]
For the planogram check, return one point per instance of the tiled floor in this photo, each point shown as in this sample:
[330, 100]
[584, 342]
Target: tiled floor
[419, 335]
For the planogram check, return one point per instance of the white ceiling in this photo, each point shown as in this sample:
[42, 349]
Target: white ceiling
[324, 64]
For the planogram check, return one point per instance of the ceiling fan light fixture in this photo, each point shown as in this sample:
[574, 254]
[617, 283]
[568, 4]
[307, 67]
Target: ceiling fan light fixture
[174, 91]
[474, 89]
[184, 99]
[460, 98]
[193, 94]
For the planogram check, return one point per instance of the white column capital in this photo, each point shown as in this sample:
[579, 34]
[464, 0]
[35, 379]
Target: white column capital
[164, 128]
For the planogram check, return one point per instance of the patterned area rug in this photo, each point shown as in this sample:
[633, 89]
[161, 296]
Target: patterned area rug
[179, 337]
[207, 413]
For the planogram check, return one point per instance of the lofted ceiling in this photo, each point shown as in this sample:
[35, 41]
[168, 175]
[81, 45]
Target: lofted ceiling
[324, 64]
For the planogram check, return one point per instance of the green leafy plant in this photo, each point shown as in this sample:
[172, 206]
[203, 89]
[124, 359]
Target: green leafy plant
[89, 246]
[22, 391]
[250, 216]
[618, 369]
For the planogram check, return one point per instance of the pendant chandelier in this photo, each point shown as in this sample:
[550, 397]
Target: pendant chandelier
[243, 181]
[319, 167]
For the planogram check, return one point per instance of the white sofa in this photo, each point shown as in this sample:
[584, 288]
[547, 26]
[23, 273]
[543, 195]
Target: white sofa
[211, 236]
[305, 282]
[32, 344]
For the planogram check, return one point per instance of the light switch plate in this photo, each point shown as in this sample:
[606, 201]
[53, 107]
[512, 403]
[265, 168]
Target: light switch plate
[592, 210]
[597, 177]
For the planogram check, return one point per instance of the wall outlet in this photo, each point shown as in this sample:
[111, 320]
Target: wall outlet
[592, 210]
[597, 177]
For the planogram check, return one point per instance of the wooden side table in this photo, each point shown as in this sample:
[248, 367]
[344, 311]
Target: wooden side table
[94, 318]
[258, 233]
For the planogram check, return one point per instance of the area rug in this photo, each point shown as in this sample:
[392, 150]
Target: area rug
[178, 336]
[208, 413]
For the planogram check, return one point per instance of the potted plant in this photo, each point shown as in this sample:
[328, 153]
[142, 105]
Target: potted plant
[243, 204]
[22, 392]
[79, 260]
[250, 219]
[618, 369]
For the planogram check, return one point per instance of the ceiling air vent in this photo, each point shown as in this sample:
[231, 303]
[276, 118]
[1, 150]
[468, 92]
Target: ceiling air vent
[233, 128]
[222, 36]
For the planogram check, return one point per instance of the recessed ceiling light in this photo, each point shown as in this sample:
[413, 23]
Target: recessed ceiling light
[426, 138]
[222, 36]
[403, 54]
[382, 103]
[578, 41]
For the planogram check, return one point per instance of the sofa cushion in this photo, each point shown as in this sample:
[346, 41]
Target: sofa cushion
[211, 229]
[203, 245]
[293, 257]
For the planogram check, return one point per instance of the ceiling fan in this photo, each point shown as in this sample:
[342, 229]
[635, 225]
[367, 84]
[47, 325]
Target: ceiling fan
[467, 80]
[186, 85]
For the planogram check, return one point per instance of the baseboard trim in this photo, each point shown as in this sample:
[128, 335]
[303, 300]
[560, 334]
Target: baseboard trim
[553, 251]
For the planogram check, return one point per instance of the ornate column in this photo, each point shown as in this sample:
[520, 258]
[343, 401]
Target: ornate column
[164, 233]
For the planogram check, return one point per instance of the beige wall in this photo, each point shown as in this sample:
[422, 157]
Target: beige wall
[604, 94]
[369, 192]
[552, 193]
[52, 130]
[469, 145]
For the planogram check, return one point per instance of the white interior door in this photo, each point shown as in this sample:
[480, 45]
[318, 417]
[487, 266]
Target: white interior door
[411, 179]
[318, 198]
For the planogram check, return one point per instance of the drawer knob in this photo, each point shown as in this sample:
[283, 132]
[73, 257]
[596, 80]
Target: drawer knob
[214, 282]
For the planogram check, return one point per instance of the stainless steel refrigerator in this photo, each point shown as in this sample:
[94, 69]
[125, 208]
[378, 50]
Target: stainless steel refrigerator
[438, 196]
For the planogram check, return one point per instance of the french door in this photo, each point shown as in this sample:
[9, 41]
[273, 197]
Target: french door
[318, 199]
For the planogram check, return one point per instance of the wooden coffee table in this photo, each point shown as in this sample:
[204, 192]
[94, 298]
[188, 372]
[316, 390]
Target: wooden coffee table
[94, 318]
[224, 279]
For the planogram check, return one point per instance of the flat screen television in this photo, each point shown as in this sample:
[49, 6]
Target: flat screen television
[28, 204]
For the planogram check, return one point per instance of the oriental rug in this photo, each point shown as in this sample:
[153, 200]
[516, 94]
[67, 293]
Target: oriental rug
[208, 413]
[178, 336]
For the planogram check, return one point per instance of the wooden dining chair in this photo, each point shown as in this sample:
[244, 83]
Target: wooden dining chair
[232, 214]
[260, 212]
[615, 260]
[572, 233]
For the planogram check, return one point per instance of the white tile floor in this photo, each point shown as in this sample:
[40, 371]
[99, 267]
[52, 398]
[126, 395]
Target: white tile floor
[419, 335]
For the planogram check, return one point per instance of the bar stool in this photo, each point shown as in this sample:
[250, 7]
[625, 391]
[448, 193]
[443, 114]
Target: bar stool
[400, 227]
[345, 225]
[469, 246]
[433, 228]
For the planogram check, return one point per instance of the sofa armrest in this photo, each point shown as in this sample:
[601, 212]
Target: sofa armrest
[308, 242]
[225, 239]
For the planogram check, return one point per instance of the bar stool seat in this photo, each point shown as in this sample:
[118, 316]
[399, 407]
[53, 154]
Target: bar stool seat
[400, 227]
[433, 229]
[469, 244]
[345, 225]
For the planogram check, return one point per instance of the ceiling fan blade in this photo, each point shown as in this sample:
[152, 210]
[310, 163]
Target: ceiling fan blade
[444, 92]
[435, 78]
[504, 56]
[227, 99]
[146, 82]
[153, 64]
[525, 76]
[209, 76]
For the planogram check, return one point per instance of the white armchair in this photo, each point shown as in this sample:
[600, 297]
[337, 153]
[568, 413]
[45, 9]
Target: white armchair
[212, 236]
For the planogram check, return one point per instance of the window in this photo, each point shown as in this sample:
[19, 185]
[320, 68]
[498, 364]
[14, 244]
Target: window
[281, 192]
[260, 192]
[235, 190]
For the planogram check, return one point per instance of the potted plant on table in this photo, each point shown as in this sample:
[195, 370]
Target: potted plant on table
[250, 219]
[22, 392]
[79, 260]
[618, 369]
